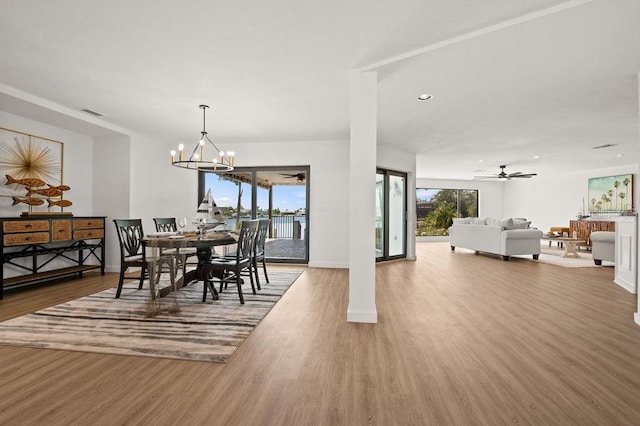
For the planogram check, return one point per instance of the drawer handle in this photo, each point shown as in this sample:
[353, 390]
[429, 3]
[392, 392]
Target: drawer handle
[60, 230]
[28, 225]
[89, 233]
[89, 223]
[27, 239]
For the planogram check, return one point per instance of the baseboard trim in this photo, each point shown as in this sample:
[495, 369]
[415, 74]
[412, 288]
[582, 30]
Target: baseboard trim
[328, 265]
[626, 285]
[366, 317]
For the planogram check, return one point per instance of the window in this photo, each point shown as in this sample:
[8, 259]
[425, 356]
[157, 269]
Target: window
[436, 208]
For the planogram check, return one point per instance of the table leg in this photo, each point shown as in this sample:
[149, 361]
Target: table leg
[571, 249]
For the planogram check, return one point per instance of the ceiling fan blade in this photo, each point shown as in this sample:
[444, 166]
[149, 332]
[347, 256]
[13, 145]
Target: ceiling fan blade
[486, 177]
[524, 175]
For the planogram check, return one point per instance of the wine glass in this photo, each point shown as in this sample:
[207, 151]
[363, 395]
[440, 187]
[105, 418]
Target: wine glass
[182, 222]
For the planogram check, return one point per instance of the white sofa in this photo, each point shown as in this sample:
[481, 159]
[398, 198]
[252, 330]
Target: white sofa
[505, 237]
[603, 246]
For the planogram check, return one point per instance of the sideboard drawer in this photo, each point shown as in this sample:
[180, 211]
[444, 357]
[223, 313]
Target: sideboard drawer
[60, 230]
[26, 238]
[87, 234]
[88, 223]
[25, 225]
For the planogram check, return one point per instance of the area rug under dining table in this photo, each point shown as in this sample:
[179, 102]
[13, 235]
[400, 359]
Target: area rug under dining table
[99, 323]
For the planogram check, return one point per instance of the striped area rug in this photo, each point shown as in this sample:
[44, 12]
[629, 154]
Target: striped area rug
[99, 323]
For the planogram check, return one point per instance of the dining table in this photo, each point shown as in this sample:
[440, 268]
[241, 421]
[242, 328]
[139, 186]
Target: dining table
[204, 243]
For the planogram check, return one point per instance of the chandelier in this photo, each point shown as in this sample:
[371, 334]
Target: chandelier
[219, 162]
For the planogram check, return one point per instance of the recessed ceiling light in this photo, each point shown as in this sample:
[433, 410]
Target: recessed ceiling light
[619, 155]
[480, 161]
[425, 97]
[536, 156]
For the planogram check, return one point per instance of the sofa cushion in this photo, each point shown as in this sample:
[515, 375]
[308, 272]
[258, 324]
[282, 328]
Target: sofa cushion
[461, 220]
[478, 221]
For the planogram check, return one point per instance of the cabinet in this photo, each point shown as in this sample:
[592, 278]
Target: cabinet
[584, 228]
[626, 259]
[76, 243]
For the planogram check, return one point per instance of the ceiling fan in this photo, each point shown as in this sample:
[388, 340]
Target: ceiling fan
[505, 175]
[299, 177]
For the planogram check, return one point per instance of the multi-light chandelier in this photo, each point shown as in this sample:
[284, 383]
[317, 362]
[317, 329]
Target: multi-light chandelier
[219, 162]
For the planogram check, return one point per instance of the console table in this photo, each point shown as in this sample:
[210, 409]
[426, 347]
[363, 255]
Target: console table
[71, 241]
[584, 228]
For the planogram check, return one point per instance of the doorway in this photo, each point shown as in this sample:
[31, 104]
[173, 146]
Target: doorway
[391, 217]
[278, 193]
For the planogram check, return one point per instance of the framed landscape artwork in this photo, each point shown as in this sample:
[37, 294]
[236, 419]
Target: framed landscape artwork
[611, 194]
[25, 156]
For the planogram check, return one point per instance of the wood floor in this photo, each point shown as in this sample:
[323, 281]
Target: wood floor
[462, 339]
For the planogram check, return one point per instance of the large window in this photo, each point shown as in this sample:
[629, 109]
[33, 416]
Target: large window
[436, 208]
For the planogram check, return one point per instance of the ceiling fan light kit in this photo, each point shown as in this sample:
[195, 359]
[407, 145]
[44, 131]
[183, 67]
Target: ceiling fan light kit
[507, 176]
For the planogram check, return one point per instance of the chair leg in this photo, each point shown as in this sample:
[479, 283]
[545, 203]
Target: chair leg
[238, 283]
[254, 270]
[142, 273]
[120, 283]
[253, 287]
[264, 268]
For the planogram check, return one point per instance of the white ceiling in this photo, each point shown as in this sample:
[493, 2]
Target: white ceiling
[510, 79]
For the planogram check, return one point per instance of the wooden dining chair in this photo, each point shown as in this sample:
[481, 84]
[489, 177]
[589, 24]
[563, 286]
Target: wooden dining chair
[230, 269]
[165, 224]
[258, 251]
[169, 224]
[132, 253]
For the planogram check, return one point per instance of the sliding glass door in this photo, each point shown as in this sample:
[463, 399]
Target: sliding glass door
[391, 220]
[278, 193]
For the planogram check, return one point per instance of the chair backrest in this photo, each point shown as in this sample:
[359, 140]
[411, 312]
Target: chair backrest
[246, 239]
[130, 235]
[263, 228]
[165, 224]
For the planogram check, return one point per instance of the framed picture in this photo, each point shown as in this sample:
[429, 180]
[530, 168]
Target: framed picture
[24, 156]
[611, 194]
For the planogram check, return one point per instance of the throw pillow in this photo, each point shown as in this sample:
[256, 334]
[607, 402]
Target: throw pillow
[478, 221]
[506, 223]
[519, 224]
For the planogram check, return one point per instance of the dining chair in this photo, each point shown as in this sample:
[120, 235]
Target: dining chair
[165, 224]
[230, 269]
[132, 253]
[258, 250]
[169, 224]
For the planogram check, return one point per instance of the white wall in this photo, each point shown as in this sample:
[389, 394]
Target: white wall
[77, 165]
[554, 200]
[158, 189]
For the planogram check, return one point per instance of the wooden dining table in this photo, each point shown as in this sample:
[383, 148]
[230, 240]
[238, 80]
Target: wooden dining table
[204, 245]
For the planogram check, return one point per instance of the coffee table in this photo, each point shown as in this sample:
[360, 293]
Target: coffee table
[570, 244]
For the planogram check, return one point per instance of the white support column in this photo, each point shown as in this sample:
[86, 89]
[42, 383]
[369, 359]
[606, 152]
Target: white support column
[362, 185]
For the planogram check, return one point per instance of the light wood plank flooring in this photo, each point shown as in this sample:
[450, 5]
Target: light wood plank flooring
[462, 339]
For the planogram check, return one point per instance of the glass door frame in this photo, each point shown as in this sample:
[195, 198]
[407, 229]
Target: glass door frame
[254, 200]
[385, 237]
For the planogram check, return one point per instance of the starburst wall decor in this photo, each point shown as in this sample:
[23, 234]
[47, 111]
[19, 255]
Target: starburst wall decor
[24, 156]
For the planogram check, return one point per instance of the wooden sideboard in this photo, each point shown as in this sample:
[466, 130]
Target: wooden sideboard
[584, 228]
[56, 245]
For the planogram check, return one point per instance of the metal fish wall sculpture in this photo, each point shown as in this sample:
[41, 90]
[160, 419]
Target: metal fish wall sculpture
[35, 186]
